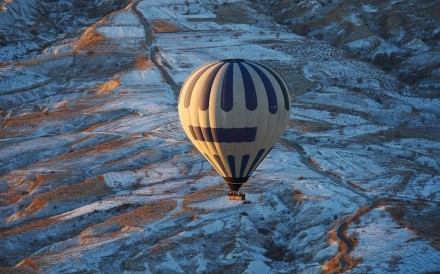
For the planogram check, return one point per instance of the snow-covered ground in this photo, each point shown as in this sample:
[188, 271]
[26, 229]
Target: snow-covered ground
[391, 242]
[96, 174]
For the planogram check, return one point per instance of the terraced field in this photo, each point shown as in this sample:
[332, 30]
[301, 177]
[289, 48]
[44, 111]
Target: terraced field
[96, 174]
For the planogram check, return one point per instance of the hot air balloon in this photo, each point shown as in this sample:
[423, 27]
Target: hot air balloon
[234, 111]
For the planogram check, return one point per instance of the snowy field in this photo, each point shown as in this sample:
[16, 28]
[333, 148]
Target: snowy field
[378, 224]
[96, 174]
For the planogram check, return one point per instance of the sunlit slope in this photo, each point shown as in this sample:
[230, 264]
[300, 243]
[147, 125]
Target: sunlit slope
[97, 175]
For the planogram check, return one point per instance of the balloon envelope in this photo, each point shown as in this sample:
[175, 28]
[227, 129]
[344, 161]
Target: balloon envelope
[234, 111]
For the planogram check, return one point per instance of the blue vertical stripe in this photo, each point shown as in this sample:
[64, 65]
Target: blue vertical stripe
[244, 161]
[206, 88]
[270, 91]
[231, 162]
[190, 86]
[227, 92]
[220, 163]
[254, 163]
[282, 85]
[227, 98]
[249, 88]
[265, 154]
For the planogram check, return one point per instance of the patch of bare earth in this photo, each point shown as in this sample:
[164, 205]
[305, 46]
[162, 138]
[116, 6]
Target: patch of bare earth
[93, 187]
[310, 126]
[138, 217]
[236, 12]
[143, 63]
[420, 216]
[292, 75]
[165, 27]
[204, 194]
[109, 85]
[89, 39]
[27, 266]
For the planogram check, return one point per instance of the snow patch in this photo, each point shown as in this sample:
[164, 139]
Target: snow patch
[150, 76]
[170, 264]
[257, 267]
[326, 253]
[125, 32]
[121, 180]
[217, 203]
[369, 8]
[213, 227]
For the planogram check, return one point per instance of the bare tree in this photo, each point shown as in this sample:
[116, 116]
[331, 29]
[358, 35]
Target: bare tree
[367, 269]
[388, 231]
[355, 235]
[236, 34]
[357, 222]
[393, 263]
[420, 201]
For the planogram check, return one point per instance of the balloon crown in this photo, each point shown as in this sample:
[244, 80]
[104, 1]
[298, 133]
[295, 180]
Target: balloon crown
[232, 60]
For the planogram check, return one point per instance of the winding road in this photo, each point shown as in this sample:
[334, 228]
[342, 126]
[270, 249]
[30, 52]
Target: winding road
[153, 54]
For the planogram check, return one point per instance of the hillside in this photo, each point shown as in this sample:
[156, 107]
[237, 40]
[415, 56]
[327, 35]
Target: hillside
[96, 174]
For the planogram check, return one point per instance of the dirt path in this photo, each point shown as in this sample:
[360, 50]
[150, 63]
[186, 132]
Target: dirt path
[153, 52]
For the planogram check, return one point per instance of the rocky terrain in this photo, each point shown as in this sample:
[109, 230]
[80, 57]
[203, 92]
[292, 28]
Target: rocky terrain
[97, 176]
[400, 37]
